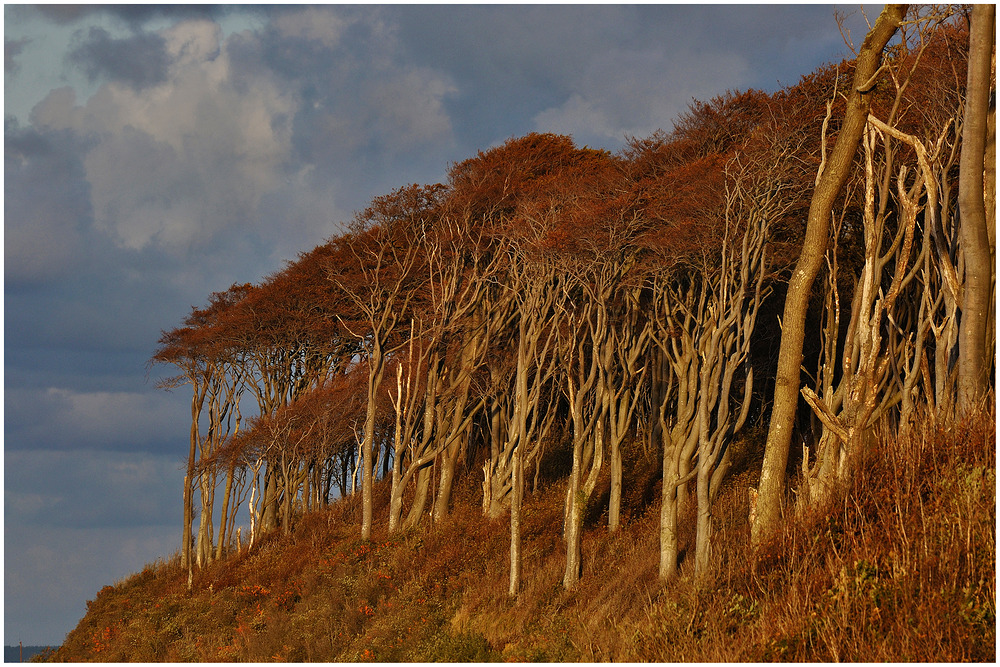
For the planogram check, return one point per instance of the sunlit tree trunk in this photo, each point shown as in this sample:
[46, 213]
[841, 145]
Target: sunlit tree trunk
[517, 493]
[976, 351]
[829, 181]
[588, 420]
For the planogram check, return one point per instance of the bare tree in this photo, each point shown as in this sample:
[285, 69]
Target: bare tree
[387, 258]
[833, 173]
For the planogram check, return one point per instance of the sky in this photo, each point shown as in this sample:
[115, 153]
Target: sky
[153, 155]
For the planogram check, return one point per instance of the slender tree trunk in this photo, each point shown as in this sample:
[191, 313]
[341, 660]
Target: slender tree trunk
[703, 538]
[575, 504]
[977, 307]
[375, 361]
[449, 460]
[224, 518]
[829, 182]
[204, 545]
[197, 400]
[516, 496]
[269, 498]
[615, 500]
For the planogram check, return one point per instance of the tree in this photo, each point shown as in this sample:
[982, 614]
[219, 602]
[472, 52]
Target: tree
[832, 175]
[976, 355]
[211, 365]
[874, 367]
[383, 285]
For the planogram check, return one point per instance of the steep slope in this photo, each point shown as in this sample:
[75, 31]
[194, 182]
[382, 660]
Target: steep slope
[901, 568]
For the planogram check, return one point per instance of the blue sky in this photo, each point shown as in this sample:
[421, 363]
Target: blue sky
[154, 155]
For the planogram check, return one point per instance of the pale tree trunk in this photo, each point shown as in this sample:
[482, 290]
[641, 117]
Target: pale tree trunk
[677, 416]
[376, 367]
[588, 412]
[976, 352]
[269, 497]
[517, 493]
[723, 344]
[526, 426]
[424, 455]
[664, 383]
[224, 516]
[703, 328]
[412, 439]
[629, 341]
[831, 178]
[384, 303]
[197, 401]
[865, 390]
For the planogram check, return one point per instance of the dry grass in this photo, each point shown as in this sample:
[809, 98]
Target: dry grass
[899, 567]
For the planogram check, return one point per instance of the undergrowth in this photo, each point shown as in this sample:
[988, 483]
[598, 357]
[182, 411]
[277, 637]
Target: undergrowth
[898, 567]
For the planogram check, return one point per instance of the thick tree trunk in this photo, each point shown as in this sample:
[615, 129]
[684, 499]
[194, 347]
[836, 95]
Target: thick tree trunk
[829, 182]
[977, 307]
[419, 497]
[668, 514]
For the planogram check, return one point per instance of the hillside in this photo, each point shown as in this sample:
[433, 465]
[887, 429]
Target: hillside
[899, 567]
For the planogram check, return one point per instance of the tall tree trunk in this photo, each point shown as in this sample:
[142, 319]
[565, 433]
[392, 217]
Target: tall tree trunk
[669, 543]
[829, 182]
[977, 307]
[516, 496]
[224, 518]
[615, 499]
[376, 366]
[188, 485]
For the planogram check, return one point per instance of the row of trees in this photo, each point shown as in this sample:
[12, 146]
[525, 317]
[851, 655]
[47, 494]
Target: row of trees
[551, 310]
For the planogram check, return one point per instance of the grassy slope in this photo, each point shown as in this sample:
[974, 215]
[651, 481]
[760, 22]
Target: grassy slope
[901, 567]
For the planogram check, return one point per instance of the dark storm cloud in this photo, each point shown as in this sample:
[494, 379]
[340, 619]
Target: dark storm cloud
[46, 204]
[140, 60]
[70, 499]
[133, 15]
[11, 50]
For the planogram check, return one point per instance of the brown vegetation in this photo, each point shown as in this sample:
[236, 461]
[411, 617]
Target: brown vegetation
[901, 567]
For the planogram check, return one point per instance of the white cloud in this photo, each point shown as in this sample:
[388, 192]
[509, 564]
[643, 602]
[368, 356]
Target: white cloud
[577, 116]
[178, 163]
[192, 42]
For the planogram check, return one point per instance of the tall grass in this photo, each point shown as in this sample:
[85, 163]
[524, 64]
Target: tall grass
[899, 566]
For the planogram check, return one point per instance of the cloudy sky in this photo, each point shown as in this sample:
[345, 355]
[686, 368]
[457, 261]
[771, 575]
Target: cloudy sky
[156, 154]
